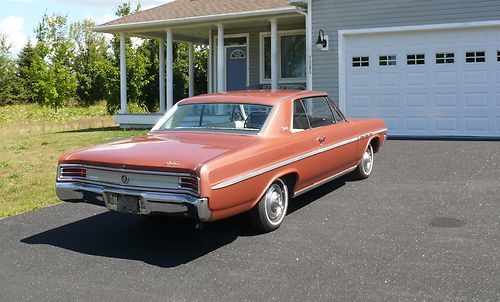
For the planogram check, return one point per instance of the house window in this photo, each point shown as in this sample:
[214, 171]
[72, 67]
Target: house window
[475, 56]
[360, 61]
[415, 59]
[445, 58]
[291, 57]
[387, 60]
[498, 56]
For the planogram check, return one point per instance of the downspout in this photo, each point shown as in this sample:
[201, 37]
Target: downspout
[308, 14]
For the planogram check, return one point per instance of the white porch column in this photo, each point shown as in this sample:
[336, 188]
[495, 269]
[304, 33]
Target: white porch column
[162, 74]
[274, 53]
[221, 62]
[170, 69]
[123, 74]
[209, 63]
[191, 69]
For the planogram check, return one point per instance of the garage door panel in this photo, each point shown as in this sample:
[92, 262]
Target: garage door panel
[392, 123]
[416, 79]
[476, 124]
[445, 78]
[453, 99]
[416, 100]
[476, 78]
[361, 101]
[417, 124]
[386, 80]
[361, 80]
[476, 100]
[388, 101]
[446, 125]
[446, 100]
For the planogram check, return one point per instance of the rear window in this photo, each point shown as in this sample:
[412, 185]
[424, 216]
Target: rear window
[218, 117]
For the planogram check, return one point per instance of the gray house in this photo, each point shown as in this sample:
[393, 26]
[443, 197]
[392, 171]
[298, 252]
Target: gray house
[427, 67]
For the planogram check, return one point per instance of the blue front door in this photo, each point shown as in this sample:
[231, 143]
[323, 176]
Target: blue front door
[236, 68]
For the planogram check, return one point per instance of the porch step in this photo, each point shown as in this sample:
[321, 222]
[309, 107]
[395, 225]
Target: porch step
[137, 121]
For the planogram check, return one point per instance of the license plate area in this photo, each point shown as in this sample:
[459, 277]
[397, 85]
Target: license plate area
[123, 203]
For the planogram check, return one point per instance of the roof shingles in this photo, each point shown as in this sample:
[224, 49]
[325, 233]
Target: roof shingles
[195, 8]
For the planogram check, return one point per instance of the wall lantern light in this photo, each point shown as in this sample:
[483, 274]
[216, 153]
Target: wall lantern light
[322, 42]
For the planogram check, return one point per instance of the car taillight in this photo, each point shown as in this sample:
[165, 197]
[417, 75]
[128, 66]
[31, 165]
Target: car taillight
[189, 182]
[72, 172]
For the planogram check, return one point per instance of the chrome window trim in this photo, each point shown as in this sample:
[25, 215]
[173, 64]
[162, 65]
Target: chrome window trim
[283, 163]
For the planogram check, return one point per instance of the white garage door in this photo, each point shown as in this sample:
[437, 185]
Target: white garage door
[426, 83]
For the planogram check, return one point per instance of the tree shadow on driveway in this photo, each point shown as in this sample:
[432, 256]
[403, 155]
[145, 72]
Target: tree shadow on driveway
[159, 241]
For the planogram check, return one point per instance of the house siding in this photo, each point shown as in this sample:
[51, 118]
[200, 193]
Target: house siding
[335, 15]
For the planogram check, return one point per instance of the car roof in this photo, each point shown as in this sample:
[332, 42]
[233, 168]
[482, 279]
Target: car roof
[262, 97]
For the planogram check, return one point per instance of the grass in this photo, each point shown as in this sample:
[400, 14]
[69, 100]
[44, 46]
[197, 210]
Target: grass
[32, 139]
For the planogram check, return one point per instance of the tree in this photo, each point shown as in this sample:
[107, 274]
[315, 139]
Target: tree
[53, 82]
[24, 62]
[137, 65]
[8, 79]
[92, 65]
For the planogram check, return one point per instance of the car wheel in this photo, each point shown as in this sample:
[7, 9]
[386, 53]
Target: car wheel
[365, 167]
[269, 213]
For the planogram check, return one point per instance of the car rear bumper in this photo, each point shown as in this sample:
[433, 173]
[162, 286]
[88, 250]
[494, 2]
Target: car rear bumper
[134, 201]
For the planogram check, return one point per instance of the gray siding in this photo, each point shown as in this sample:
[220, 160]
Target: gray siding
[335, 15]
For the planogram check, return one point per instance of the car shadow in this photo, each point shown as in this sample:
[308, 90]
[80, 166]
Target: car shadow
[159, 241]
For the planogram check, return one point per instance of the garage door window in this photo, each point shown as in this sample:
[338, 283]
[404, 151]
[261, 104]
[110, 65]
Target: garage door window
[387, 60]
[445, 58]
[415, 59]
[475, 56]
[360, 61]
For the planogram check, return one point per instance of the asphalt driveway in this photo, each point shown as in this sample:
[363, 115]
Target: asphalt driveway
[425, 226]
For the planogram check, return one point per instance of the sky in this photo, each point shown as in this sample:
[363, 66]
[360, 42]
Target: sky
[19, 18]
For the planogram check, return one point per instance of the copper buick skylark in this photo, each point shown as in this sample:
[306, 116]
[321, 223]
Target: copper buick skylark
[218, 155]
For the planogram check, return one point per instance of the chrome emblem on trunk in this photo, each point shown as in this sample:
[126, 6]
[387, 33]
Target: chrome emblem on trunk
[125, 179]
[172, 164]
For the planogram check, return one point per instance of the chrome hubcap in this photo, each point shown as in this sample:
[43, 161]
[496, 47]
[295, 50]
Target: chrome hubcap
[367, 162]
[275, 203]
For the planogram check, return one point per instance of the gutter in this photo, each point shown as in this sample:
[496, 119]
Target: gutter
[190, 20]
[304, 7]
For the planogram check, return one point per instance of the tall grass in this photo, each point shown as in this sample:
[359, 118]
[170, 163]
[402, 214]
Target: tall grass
[32, 139]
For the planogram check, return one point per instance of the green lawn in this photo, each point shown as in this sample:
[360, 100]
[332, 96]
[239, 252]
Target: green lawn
[33, 138]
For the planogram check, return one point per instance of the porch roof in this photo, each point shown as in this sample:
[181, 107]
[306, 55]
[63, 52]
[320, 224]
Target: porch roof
[183, 12]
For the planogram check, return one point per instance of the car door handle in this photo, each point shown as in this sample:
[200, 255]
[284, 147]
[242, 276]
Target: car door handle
[321, 139]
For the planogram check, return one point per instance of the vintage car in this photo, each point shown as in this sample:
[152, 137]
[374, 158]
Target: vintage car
[218, 155]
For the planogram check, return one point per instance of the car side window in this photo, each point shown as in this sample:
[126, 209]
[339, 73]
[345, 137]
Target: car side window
[300, 121]
[336, 112]
[318, 112]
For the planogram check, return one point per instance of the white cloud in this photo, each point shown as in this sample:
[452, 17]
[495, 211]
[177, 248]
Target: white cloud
[101, 19]
[12, 27]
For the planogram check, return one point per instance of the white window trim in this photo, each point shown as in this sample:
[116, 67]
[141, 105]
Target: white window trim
[281, 80]
[360, 57]
[475, 57]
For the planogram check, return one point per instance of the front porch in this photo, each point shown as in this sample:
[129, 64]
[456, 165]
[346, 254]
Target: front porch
[269, 49]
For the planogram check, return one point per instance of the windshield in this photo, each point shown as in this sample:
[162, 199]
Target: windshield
[223, 117]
